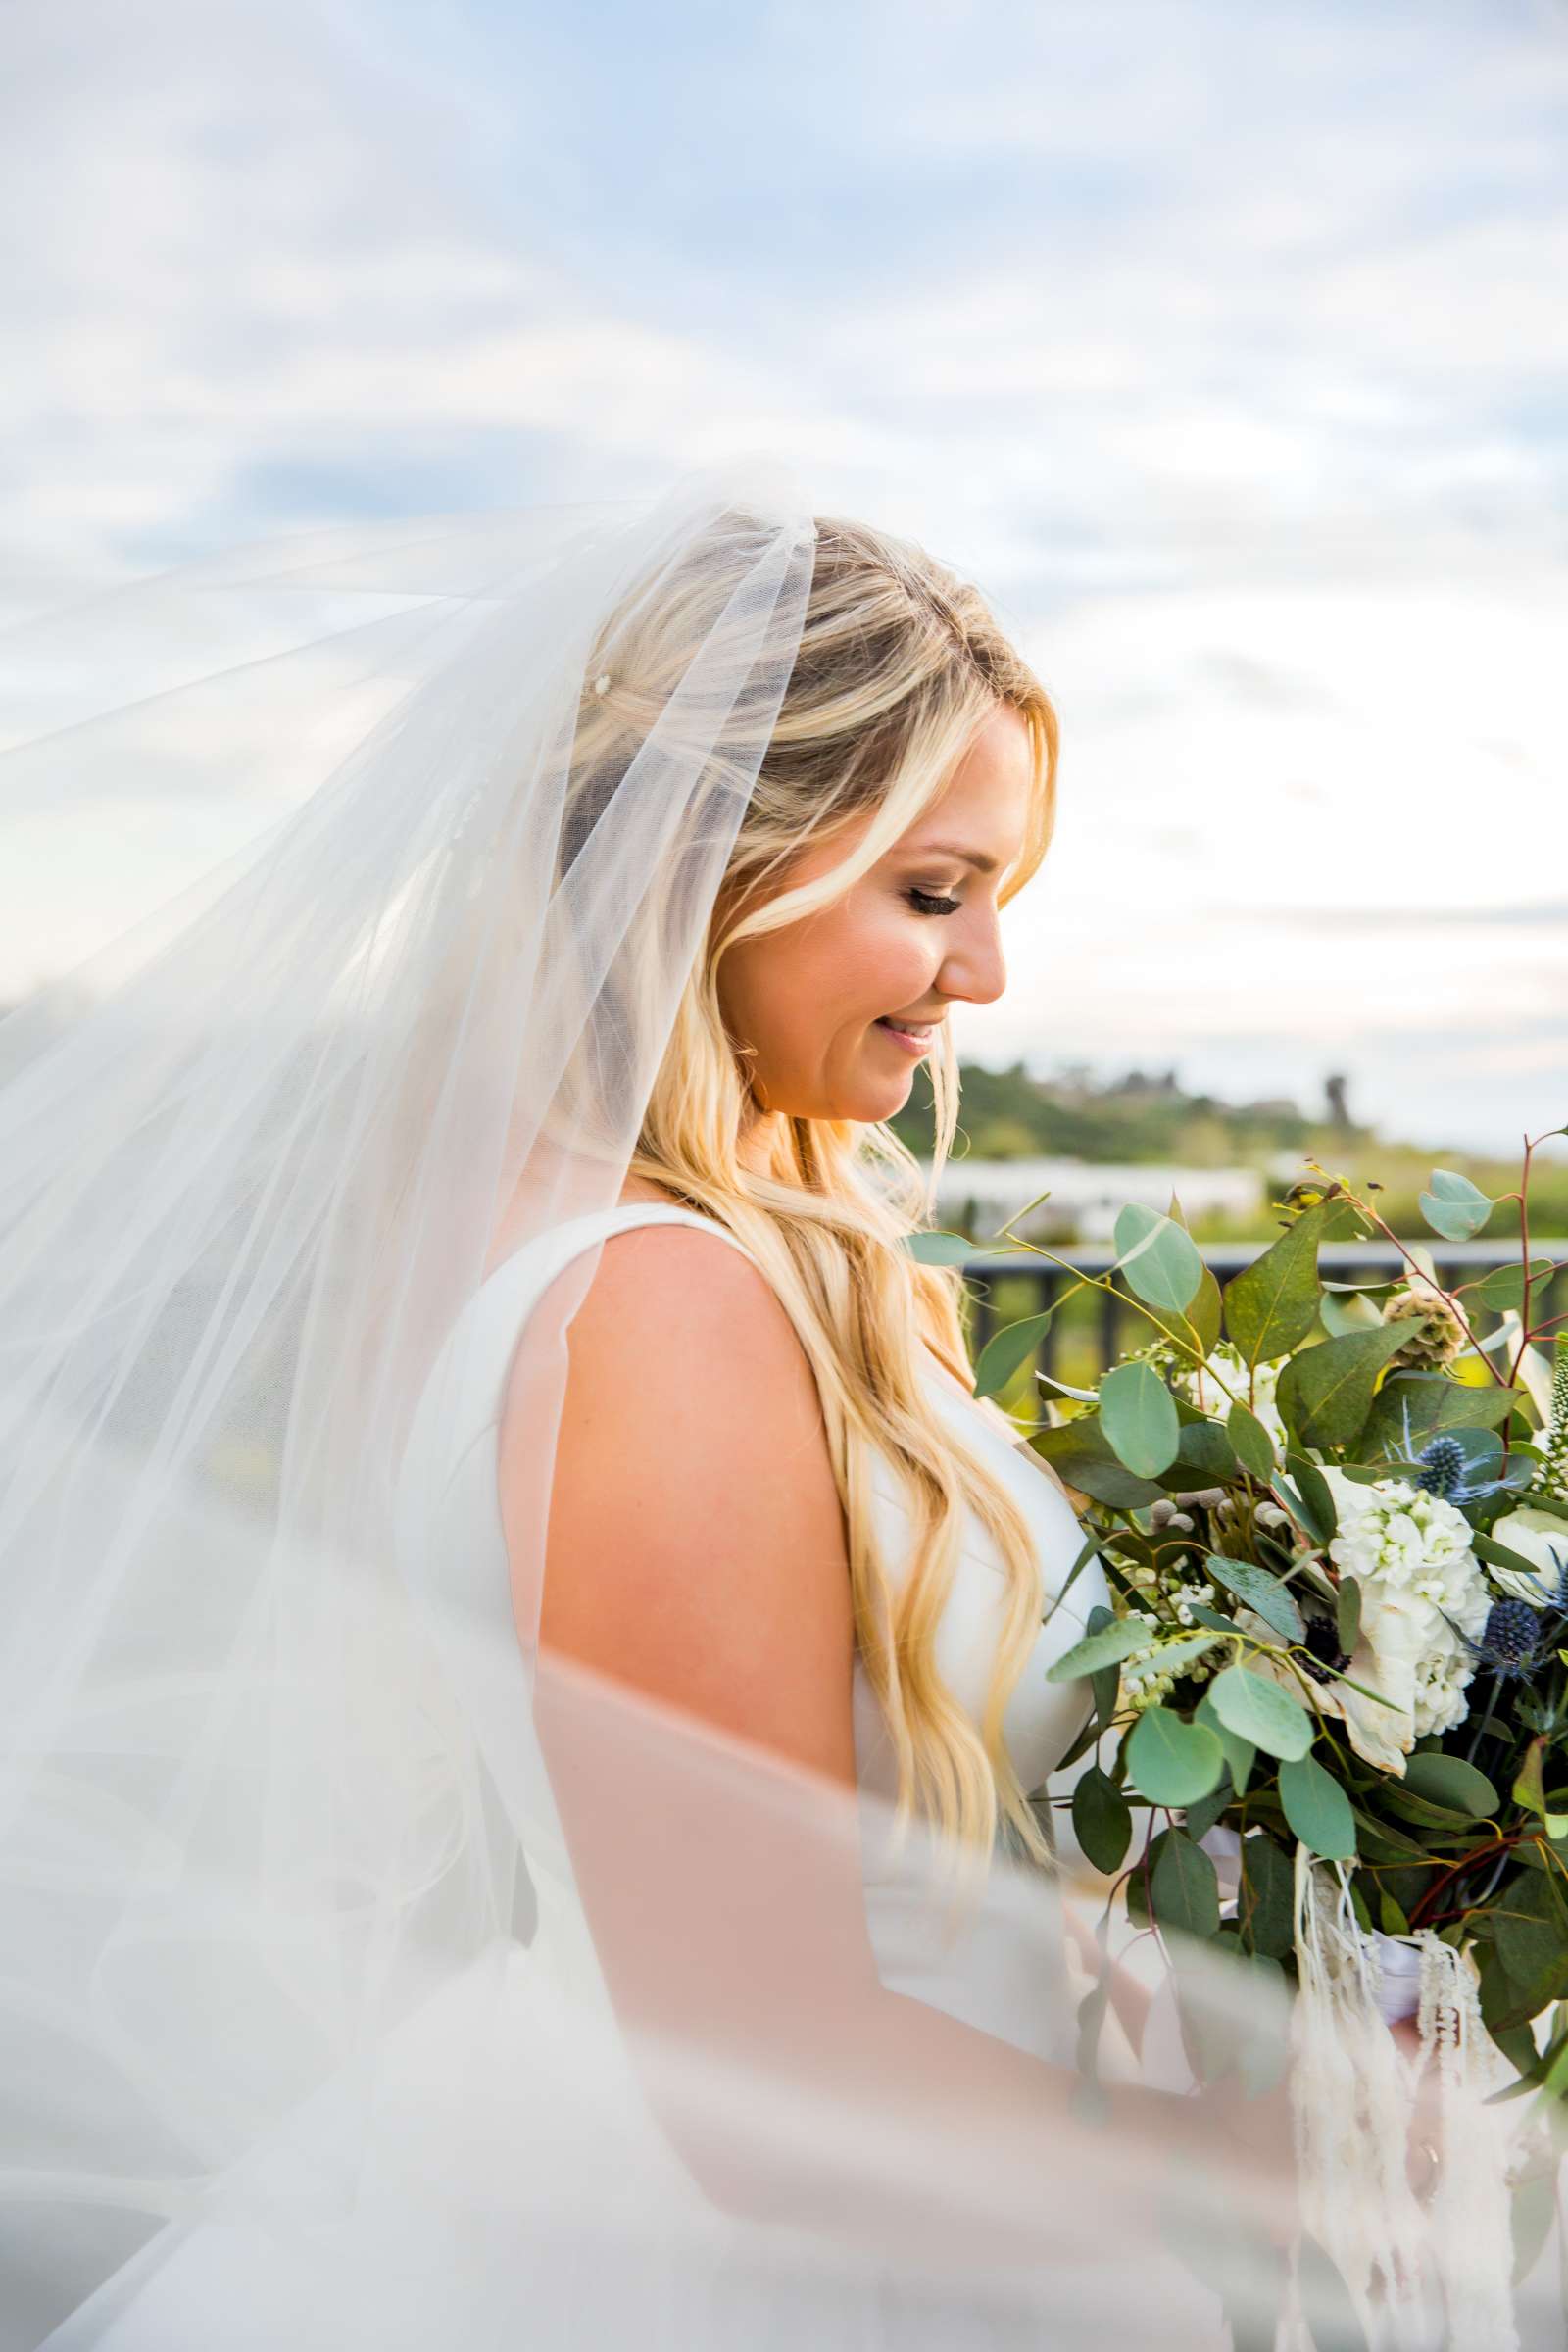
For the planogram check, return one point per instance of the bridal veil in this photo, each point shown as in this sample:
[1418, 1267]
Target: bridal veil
[422, 827]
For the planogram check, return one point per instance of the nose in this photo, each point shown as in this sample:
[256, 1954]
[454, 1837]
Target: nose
[974, 968]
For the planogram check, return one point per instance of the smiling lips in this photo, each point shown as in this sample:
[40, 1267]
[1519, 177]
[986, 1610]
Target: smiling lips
[916, 1037]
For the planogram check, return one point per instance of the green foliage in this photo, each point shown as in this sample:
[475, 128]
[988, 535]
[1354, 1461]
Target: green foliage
[1266, 1899]
[1325, 1393]
[1171, 1761]
[1260, 1711]
[1530, 1939]
[938, 1248]
[1452, 1782]
[1261, 1590]
[1317, 1809]
[1102, 1819]
[1271, 1305]
[1250, 1442]
[1114, 1641]
[1007, 1351]
[1184, 1890]
[1080, 1453]
[1220, 1543]
[1455, 1207]
[1139, 1417]
[1240, 1752]
[1158, 1260]
[1435, 1405]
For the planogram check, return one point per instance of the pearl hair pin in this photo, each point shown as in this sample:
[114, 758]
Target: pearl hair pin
[602, 683]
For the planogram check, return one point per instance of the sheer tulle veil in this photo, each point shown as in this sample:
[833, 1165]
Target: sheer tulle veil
[288, 1994]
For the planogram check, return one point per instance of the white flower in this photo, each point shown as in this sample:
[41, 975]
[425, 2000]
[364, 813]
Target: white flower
[1224, 1378]
[1541, 1538]
[1410, 1553]
[1422, 1588]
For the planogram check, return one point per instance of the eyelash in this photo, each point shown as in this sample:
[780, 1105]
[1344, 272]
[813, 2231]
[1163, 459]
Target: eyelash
[926, 901]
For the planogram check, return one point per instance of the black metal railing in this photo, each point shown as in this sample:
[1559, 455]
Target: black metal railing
[1033, 1286]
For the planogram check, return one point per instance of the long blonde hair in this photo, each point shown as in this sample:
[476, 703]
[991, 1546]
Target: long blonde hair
[900, 660]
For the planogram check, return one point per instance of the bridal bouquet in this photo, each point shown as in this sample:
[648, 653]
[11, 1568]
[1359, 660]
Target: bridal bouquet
[1333, 1518]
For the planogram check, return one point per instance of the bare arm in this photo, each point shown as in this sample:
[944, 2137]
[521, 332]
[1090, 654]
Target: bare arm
[696, 1551]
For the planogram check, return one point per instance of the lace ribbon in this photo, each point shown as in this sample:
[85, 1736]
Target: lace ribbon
[1421, 2273]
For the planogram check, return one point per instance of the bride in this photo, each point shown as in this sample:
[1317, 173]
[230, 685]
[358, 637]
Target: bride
[525, 1661]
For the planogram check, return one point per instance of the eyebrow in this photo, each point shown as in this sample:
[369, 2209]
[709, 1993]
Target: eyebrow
[950, 849]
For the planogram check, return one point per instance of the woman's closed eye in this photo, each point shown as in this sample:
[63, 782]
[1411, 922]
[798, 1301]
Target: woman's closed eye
[931, 902]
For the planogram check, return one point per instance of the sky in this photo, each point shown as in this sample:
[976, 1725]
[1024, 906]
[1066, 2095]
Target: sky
[1223, 342]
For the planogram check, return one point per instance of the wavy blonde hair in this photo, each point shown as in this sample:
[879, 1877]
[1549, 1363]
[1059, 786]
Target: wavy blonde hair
[898, 661]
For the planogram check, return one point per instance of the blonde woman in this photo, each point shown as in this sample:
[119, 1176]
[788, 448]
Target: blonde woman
[526, 1659]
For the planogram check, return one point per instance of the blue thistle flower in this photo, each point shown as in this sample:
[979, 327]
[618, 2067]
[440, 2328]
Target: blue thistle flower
[1515, 1641]
[1444, 1457]
[1441, 1468]
[1509, 1638]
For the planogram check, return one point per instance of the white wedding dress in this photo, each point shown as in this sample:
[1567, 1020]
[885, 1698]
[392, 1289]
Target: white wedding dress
[493, 2249]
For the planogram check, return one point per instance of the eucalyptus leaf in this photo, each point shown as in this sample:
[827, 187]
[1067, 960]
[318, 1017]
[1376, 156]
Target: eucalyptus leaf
[1298, 1509]
[1200, 1817]
[1194, 1328]
[1271, 1305]
[1206, 1451]
[1105, 1682]
[1317, 1495]
[1007, 1351]
[1455, 1206]
[1504, 1286]
[1441, 1819]
[1201, 1614]
[1317, 1809]
[1176, 1656]
[1445, 1780]
[1251, 1443]
[1102, 1819]
[1240, 1753]
[1205, 1312]
[1266, 1899]
[1081, 1454]
[1138, 1415]
[1529, 1789]
[1260, 1711]
[1104, 1647]
[1157, 1259]
[1351, 1312]
[1502, 1556]
[1530, 1932]
[1325, 1393]
[1436, 1405]
[1172, 1762]
[940, 1249]
[1184, 1889]
[1272, 1600]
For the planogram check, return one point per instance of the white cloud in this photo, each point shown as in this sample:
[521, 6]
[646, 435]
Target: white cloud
[1226, 345]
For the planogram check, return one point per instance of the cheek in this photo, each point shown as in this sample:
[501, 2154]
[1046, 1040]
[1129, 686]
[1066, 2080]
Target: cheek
[796, 996]
[878, 960]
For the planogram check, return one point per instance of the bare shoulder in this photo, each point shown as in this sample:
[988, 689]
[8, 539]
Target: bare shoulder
[667, 1295]
[696, 1542]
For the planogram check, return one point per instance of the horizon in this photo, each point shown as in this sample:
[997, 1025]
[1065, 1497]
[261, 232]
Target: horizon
[1225, 349]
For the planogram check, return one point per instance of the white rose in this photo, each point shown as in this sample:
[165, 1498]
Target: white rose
[1541, 1538]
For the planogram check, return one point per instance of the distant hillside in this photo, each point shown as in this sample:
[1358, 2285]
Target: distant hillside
[1149, 1116]
[1144, 1116]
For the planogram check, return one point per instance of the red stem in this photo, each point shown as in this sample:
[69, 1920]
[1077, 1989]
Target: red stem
[1480, 1855]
